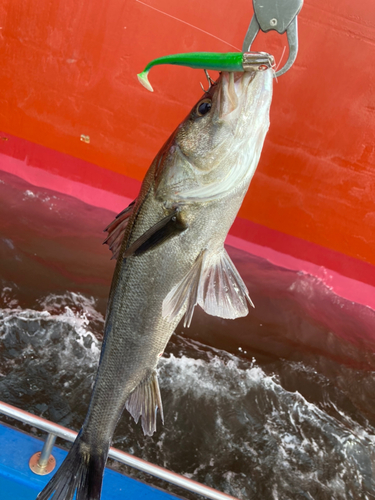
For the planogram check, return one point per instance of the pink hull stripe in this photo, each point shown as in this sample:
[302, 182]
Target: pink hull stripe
[350, 289]
[41, 178]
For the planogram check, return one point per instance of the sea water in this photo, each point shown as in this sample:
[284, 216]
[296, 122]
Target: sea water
[286, 415]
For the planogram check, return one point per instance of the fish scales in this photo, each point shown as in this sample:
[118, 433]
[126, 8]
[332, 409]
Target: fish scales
[137, 320]
[171, 259]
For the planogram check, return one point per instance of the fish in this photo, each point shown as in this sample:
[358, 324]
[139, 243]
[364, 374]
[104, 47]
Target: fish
[169, 247]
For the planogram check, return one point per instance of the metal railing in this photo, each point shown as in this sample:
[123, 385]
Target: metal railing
[120, 456]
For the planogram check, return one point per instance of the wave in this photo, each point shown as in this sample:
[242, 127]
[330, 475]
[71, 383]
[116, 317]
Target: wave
[230, 422]
[258, 440]
[49, 356]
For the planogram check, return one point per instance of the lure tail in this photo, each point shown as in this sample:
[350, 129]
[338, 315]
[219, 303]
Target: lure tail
[81, 472]
[231, 61]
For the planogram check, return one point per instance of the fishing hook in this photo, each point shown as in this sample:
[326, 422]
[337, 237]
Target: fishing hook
[210, 82]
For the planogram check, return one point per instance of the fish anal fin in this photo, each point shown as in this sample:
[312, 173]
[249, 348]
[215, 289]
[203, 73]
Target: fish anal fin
[116, 230]
[214, 283]
[143, 403]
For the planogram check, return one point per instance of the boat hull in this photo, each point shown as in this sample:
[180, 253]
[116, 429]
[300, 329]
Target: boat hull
[18, 481]
[74, 119]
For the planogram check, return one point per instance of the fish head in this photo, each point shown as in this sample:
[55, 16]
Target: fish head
[218, 145]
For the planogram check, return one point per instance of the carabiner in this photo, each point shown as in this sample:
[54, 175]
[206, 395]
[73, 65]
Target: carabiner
[278, 15]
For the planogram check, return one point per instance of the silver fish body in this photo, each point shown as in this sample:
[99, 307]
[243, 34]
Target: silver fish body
[170, 255]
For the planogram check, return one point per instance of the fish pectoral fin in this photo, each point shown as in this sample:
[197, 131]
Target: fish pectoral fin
[215, 284]
[170, 226]
[222, 292]
[116, 230]
[144, 401]
[185, 293]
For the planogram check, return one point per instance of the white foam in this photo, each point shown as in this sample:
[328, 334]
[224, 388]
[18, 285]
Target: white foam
[275, 426]
[250, 430]
[41, 196]
[45, 323]
[85, 306]
[209, 377]
[29, 193]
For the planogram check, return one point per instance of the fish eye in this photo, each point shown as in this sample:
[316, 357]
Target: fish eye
[203, 107]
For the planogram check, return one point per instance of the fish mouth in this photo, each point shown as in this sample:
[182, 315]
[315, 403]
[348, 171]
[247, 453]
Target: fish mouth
[233, 91]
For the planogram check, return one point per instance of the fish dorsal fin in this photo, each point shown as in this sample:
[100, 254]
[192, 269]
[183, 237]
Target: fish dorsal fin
[116, 230]
[214, 283]
[144, 401]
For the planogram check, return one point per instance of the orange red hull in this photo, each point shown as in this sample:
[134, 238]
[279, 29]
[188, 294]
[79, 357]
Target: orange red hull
[74, 117]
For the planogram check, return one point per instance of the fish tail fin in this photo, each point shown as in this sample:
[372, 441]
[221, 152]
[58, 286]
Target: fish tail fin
[81, 472]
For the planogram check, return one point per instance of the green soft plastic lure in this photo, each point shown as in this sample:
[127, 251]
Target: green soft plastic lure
[219, 61]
